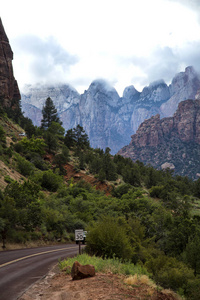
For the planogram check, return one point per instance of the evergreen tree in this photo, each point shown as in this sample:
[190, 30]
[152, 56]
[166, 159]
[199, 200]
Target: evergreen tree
[49, 113]
[76, 137]
[81, 138]
[69, 138]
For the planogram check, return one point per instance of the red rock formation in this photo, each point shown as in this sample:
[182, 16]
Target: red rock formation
[9, 91]
[174, 140]
[185, 124]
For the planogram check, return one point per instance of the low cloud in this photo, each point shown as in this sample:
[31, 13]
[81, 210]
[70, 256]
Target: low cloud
[164, 63]
[190, 55]
[48, 60]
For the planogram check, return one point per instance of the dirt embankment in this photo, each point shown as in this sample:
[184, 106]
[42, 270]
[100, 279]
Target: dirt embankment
[81, 175]
[59, 286]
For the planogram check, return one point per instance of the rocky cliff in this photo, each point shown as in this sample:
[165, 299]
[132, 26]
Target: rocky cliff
[108, 119]
[171, 142]
[9, 91]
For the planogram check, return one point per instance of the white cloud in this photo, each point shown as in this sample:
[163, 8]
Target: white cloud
[124, 41]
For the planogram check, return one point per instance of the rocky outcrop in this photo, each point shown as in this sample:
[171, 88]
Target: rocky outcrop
[172, 141]
[9, 91]
[110, 120]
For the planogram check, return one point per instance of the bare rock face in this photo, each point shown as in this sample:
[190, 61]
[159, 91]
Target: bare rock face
[184, 86]
[9, 91]
[172, 141]
[98, 111]
[79, 271]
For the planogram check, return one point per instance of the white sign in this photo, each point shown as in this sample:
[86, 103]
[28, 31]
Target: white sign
[79, 234]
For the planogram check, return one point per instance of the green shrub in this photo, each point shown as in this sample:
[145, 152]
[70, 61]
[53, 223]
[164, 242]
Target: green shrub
[156, 191]
[121, 190]
[192, 291]
[107, 238]
[8, 179]
[24, 167]
[19, 236]
[36, 235]
[169, 272]
[51, 181]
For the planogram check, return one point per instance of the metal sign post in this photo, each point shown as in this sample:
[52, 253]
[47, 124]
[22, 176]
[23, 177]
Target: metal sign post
[79, 237]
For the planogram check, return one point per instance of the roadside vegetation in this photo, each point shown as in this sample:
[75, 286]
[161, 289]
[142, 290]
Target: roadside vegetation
[146, 219]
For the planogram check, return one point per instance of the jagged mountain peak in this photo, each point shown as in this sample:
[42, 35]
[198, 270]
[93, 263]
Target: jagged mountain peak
[130, 93]
[101, 85]
[157, 91]
[101, 89]
[155, 84]
[182, 79]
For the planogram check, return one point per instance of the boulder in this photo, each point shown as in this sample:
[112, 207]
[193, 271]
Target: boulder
[79, 271]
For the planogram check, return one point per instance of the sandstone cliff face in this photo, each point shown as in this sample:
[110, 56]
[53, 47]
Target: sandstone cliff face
[9, 91]
[169, 141]
[108, 119]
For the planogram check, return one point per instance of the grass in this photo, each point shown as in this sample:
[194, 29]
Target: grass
[196, 207]
[139, 279]
[114, 265]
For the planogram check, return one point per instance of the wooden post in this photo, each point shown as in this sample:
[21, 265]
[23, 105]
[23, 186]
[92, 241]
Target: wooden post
[79, 243]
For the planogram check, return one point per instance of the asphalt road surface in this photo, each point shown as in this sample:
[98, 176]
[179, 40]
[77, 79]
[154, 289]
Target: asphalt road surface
[21, 268]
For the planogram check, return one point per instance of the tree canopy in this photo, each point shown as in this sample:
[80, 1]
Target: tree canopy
[50, 114]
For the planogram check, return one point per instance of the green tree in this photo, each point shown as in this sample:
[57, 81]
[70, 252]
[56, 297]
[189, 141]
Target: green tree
[109, 166]
[50, 114]
[102, 175]
[69, 138]
[193, 254]
[60, 160]
[2, 135]
[81, 138]
[51, 141]
[8, 217]
[56, 129]
[76, 137]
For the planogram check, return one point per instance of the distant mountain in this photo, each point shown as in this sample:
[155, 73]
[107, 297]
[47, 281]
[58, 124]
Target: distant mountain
[110, 120]
[172, 142]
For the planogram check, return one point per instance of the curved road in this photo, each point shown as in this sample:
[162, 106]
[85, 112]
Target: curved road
[21, 268]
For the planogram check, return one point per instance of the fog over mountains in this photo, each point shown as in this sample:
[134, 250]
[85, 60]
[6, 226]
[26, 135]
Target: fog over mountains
[108, 119]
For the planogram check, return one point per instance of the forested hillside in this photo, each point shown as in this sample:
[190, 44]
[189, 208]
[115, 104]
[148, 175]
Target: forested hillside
[53, 182]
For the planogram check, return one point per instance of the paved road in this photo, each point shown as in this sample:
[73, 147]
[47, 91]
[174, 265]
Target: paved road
[21, 268]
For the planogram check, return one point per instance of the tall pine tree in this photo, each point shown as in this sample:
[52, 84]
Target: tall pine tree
[49, 113]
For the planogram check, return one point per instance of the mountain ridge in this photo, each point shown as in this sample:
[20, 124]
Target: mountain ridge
[108, 119]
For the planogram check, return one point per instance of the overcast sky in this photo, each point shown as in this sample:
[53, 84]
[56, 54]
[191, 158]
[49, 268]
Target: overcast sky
[123, 41]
